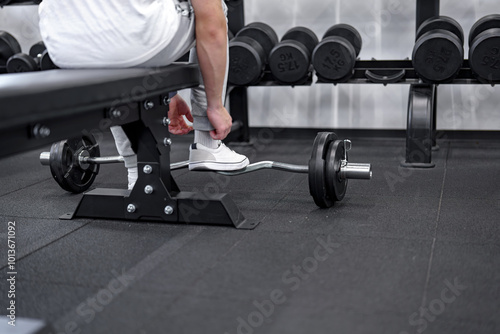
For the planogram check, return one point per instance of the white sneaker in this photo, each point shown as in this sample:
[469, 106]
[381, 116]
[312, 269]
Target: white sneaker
[216, 159]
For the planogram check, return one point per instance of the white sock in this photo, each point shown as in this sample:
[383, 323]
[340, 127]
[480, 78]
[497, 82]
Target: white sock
[204, 138]
[131, 165]
[132, 177]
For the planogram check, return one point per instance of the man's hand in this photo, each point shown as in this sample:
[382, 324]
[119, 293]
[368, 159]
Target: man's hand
[221, 121]
[178, 108]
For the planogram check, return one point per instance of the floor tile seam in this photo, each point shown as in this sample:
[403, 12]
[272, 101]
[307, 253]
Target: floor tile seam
[187, 290]
[354, 310]
[482, 199]
[55, 218]
[25, 187]
[463, 319]
[95, 286]
[146, 265]
[431, 255]
[48, 244]
[324, 234]
[23, 279]
[444, 240]
[273, 207]
[284, 195]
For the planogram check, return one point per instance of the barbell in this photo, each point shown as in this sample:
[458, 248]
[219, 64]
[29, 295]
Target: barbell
[74, 164]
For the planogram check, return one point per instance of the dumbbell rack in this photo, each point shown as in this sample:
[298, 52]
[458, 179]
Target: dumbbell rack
[421, 122]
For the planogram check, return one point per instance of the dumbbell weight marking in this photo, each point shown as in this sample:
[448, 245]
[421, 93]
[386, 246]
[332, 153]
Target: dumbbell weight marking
[335, 56]
[484, 49]
[328, 168]
[248, 53]
[246, 61]
[290, 60]
[438, 52]
[491, 59]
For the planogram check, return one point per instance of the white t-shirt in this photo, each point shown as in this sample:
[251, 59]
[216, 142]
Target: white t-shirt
[110, 33]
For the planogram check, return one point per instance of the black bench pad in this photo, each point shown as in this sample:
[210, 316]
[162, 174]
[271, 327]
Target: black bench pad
[69, 101]
[35, 96]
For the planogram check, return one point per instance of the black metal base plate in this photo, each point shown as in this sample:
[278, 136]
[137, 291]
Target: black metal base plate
[188, 207]
[417, 164]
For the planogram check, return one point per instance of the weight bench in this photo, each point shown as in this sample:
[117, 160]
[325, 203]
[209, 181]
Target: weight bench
[40, 108]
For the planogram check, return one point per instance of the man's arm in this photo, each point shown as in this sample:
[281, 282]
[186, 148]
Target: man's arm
[211, 46]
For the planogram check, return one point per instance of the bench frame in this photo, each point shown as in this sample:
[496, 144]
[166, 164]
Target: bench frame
[166, 203]
[40, 108]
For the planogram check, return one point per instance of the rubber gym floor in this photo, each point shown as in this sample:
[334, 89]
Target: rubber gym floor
[411, 251]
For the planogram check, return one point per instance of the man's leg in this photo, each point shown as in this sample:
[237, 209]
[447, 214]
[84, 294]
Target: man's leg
[125, 150]
[207, 153]
[183, 41]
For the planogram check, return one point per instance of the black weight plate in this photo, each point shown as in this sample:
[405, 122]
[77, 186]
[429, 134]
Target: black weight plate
[348, 32]
[335, 186]
[290, 62]
[303, 35]
[37, 49]
[437, 56]
[46, 62]
[65, 167]
[21, 63]
[230, 35]
[263, 34]
[334, 59]
[8, 47]
[483, 24]
[484, 56]
[246, 61]
[441, 23]
[420, 122]
[317, 166]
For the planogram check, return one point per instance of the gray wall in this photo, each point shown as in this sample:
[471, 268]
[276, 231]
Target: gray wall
[387, 28]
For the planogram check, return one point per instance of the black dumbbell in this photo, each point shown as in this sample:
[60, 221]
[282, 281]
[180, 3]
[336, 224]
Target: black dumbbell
[438, 54]
[335, 56]
[484, 49]
[248, 53]
[37, 59]
[290, 60]
[9, 46]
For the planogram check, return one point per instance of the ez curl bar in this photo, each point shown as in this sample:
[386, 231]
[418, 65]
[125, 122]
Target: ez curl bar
[74, 164]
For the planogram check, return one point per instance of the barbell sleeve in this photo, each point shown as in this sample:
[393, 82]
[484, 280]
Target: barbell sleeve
[102, 160]
[356, 171]
[45, 158]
